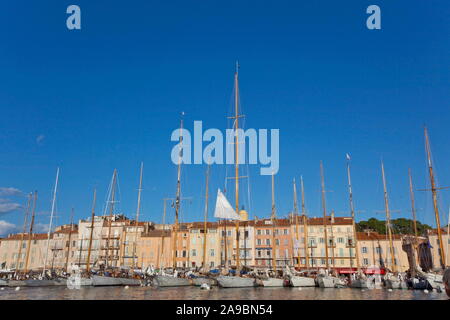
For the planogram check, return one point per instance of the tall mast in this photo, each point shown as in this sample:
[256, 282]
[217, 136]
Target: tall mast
[236, 157]
[137, 215]
[205, 226]
[30, 232]
[70, 238]
[413, 210]
[51, 220]
[27, 212]
[305, 224]
[91, 233]
[296, 224]
[434, 193]
[177, 199]
[324, 214]
[388, 220]
[274, 264]
[111, 212]
[352, 210]
[162, 236]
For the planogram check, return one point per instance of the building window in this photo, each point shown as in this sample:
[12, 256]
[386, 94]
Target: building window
[365, 261]
[258, 232]
[268, 242]
[286, 231]
[378, 250]
[258, 242]
[340, 240]
[364, 249]
[211, 252]
[194, 252]
[277, 242]
[267, 231]
[259, 253]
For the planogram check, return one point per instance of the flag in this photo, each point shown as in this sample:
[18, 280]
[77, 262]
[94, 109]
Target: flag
[348, 156]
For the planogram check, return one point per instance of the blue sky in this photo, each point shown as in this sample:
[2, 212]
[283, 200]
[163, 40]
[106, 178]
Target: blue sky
[109, 95]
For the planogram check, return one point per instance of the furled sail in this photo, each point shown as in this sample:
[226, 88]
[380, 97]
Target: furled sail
[224, 210]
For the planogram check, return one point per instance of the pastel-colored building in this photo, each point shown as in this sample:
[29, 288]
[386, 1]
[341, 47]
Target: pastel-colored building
[435, 248]
[374, 251]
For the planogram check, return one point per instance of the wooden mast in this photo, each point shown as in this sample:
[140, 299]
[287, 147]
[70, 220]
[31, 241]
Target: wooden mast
[70, 238]
[236, 157]
[177, 199]
[413, 210]
[137, 216]
[91, 233]
[27, 212]
[305, 223]
[205, 225]
[272, 217]
[388, 220]
[352, 210]
[51, 220]
[111, 212]
[296, 224]
[30, 232]
[324, 215]
[162, 236]
[434, 193]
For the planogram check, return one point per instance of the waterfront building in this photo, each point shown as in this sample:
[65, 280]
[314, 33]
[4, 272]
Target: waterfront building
[374, 251]
[434, 242]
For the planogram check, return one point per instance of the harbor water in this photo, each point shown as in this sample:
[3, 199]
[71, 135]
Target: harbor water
[195, 293]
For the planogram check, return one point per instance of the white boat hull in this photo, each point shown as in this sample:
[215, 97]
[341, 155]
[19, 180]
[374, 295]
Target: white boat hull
[98, 281]
[169, 281]
[271, 282]
[3, 283]
[235, 282]
[327, 282]
[201, 280]
[297, 281]
[359, 284]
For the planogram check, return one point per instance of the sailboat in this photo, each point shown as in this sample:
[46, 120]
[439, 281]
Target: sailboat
[359, 280]
[325, 280]
[45, 279]
[224, 210]
[164, 280]
[203, 280]
[296, 280]
[272, 281]
[223, 207]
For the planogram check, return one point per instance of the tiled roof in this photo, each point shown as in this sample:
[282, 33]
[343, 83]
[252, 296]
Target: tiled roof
[372, 235]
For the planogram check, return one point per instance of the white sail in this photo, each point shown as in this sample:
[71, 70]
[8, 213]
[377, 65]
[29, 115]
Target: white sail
[224, 210]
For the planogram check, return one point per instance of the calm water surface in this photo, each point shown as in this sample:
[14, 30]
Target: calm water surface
[195, 293]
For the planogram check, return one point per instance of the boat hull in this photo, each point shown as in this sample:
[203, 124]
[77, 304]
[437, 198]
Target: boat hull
[169, 281]
[45, 282]
[130, 282]
[201, 280]
[16, 283]
[326, 282]
[235, 282]
[3, 283]
[302, 282]
[272, 282]
[359, 284]
[99, 281]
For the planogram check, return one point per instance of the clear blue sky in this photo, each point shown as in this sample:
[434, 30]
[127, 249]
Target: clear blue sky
[110, 95]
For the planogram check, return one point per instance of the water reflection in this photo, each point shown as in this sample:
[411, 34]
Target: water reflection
[195, 293]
